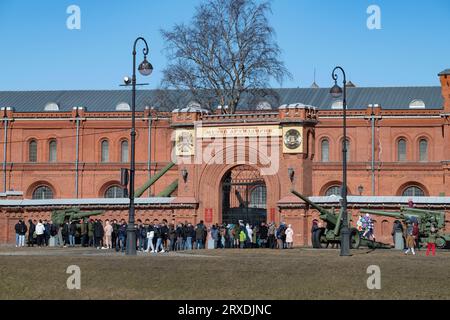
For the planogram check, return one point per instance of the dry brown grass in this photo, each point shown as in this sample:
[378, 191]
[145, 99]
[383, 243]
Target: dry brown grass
[222, 274]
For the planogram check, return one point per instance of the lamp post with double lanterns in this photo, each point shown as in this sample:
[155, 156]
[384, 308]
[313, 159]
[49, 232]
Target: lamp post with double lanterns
[336, 92]
[145, 69]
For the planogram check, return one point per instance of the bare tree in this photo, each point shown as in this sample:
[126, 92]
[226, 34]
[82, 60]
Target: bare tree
[228, 49]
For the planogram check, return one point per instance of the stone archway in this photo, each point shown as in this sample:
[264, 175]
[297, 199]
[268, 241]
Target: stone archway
[209, 187]
[244, 196]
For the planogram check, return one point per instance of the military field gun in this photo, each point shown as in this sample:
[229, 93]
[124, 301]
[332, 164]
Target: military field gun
[332, 232]
[425, 218]
[72, 214]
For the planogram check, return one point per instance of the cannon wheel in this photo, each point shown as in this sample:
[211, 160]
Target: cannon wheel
[355, 239]
[441, 243]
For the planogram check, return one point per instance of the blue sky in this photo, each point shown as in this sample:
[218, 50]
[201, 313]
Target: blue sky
[38, 52]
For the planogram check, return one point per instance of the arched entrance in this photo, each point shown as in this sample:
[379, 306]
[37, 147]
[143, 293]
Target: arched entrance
[244, 196]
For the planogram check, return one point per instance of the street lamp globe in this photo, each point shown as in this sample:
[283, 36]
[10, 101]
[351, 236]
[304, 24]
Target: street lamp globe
[145, 68]
[336, 91]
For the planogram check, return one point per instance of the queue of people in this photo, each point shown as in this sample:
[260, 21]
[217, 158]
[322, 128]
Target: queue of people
[154, 236]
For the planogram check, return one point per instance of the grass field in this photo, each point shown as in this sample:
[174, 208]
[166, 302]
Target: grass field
[32, 273]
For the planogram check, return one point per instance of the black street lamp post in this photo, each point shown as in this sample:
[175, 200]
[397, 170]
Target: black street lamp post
[145, 68]
[336, 92]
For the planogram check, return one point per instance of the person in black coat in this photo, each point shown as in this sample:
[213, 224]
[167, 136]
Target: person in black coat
[21, 229]
[31, 230]
[315, 234]
[263, 234]
[65, 233]
[46, 232]
[72, 233]
[98, 233]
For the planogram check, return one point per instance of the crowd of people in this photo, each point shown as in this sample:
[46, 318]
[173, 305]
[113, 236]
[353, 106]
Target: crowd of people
[154, 236]
[409, 231]
[410, 236]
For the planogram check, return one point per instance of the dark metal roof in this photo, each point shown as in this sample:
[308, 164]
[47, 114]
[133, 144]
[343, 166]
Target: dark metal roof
[167, 100]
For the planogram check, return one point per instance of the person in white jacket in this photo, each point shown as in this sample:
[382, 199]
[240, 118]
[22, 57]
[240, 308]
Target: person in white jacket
[40, 229]
[290, 237]
[250, 235]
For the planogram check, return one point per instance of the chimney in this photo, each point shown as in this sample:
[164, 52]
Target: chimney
[444, 76]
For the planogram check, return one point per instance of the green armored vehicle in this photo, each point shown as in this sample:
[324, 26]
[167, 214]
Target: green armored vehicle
[425, 218]
[331, 234]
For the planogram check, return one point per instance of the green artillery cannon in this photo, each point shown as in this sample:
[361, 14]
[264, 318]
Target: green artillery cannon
[425, 218]
[72, 214]
[332, 233]
[139, 192]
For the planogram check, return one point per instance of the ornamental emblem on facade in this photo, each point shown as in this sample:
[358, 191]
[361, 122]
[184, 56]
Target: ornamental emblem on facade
[185, 143]
[292, 139]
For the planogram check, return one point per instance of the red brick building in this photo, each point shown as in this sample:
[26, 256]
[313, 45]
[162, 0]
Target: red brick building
[63, 148]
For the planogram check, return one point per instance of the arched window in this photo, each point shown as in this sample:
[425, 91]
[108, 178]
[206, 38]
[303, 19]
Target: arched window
[105, 151]
[423, 150]
[124, 151]
[114, 192]
[52, 151]
[42, 193]
[333, 191]
[258, 197]
[401, 150]
[413, 191]
[325, 150]
[32, 151]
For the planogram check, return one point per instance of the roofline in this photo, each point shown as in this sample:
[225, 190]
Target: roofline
[293, 88]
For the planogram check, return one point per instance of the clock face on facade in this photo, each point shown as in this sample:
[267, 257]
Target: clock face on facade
[292, 139]
[185, 143]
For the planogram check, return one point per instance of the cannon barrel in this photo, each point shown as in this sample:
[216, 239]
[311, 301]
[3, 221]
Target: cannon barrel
[169, 189]
[86, 214]
[325, 215]
[398, 215]
[59, 216]
[312, 204]
[139, 192]
[420, 211]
